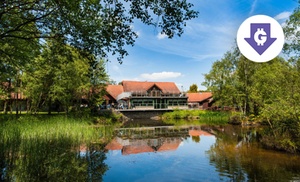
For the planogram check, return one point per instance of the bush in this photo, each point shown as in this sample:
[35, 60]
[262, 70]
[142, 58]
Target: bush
[206, 116]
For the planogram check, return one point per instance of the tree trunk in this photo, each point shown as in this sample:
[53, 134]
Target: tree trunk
[5, 107]
[10, 106]
[49, 106]
[27, 106]
[9, 95]
[17, 104]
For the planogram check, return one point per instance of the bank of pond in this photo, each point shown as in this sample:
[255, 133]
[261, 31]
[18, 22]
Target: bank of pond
[68, 148]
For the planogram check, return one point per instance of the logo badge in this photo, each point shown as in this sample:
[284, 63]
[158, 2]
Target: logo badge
[260, 38]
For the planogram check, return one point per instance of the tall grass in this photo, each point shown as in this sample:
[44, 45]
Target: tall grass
[39, 148]
[47, 128]
[208, 117]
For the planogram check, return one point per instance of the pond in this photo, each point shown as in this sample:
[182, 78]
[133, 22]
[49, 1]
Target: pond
[196, 153]
[150, 153]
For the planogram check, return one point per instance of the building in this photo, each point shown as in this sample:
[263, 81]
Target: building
[10, 99]
[145, 95]
[202, 100]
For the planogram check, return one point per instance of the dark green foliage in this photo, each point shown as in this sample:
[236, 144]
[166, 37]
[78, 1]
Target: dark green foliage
[208, 117]
[193, 88]
[98, 27]
[42, 41]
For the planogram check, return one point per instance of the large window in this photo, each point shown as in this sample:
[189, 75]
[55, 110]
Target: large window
[142, 102]
[177, 102]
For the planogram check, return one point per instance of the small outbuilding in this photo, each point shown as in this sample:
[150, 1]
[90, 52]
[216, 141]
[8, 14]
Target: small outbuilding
[200, 100]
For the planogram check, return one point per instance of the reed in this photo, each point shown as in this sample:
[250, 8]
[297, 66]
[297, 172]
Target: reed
[207, 117]
[37, 148]
[49, 128]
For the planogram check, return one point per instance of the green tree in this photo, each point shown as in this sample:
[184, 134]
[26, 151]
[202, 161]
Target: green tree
[54, 78]
[15, 56]
[222, 81]
[292, 33]
[98, 79]
[279, 90]
[269, 91]
[98, 27]
[244, 73]
[193, 88]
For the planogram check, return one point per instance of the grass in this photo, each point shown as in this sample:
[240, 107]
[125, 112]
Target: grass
[208, 117]
[39, 148]
[37, 113]
[43, 127]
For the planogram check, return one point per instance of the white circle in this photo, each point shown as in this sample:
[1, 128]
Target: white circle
[248, 51]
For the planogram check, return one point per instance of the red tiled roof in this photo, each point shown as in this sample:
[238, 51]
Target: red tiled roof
[199, 97]
[114, 90]
[199, 133]
[138, 86]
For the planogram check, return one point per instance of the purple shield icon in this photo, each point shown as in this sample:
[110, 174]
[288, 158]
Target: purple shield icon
[260, 37]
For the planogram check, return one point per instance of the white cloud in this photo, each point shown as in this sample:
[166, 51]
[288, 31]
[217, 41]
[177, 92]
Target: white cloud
[161, 36]
[115, 68]
[161, 75]
[283, 15]
[253, 6]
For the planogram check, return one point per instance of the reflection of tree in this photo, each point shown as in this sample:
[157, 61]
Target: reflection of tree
[226, 162]
[237, 156]
[96, 166]
[55, 160]
[9, 148]
[196, 139]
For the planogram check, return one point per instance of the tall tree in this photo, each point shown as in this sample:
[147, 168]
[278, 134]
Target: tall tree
[98, 80]
[244, 72]
[222, 81]
[292, 33]
[54, 78]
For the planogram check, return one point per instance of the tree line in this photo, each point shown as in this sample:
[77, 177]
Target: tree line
[55, 51]
[267, 92]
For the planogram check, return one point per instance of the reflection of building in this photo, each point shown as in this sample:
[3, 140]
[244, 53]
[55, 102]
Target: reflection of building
[135, 146]
[152, 139]
[202, 100]
[195, 132]
[146, 95]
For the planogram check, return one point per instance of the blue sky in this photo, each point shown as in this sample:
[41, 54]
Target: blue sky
[185, 59]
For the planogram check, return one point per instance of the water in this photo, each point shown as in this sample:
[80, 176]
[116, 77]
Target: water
[162, 153]
[200, 153]
[184, 160]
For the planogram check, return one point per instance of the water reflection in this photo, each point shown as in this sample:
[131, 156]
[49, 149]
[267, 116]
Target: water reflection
[51, 160]
[153, 139]
[165, 153]
[196, 153]
[237, 154]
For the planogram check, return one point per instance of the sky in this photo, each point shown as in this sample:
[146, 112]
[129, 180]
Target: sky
[184, 60]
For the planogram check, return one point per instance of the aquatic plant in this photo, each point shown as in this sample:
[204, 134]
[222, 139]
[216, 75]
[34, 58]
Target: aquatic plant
[38, 148]
[209, 117]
